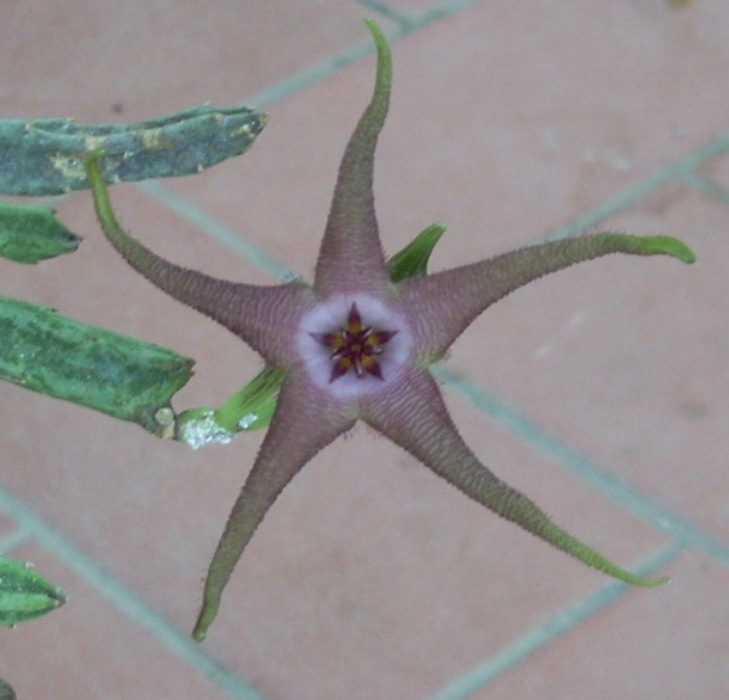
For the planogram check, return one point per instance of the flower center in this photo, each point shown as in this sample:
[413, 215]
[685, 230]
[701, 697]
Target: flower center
[355, 347]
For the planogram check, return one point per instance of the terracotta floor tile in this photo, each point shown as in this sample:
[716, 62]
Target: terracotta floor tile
[110, 62]
[641, 648]
[89, 649]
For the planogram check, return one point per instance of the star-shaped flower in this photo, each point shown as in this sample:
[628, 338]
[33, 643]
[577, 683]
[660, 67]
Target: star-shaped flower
[356, 345]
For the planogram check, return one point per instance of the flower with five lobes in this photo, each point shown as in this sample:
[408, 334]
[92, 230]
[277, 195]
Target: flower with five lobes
[356, 345]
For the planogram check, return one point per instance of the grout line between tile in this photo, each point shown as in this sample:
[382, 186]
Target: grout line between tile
[604, 482]
[15, 539]
[447, 9]
[318, 72]
[529, 643]
[679, 169]
[707, 186]
[126, 601]
[386, 10]
[238, 243]
[682, 168]
[299, 81]
[412, 23]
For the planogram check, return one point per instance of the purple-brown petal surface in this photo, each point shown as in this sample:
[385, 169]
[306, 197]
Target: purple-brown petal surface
[357, 345]
[305, 422]
[351, 256]
[449, 301]
[417, 419]
[264, 317]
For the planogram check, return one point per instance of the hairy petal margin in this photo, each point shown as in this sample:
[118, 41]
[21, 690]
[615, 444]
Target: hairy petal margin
[418, 420]
[351, 253]
[246, 310]
[450, 300]
[296, 434]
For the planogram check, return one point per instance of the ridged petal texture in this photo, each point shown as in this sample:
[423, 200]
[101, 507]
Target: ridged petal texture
[318, 335]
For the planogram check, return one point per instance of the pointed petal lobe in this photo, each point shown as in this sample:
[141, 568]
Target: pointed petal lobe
[417, 420]
[449, 301]
[296, 434]
[253, 313]
[351, 255]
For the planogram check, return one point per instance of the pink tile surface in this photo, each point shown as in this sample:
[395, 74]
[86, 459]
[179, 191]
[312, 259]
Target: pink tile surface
[88, 60]
[622, 651]
[371, 578]
[7, 527]
[89, 649]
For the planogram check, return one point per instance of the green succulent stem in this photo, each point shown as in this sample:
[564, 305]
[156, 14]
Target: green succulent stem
[46, 156]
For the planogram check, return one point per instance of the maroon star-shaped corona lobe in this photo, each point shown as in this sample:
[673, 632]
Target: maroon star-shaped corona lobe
[356, 346]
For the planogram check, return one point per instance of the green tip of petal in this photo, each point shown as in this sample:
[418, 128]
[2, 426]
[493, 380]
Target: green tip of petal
[384, 61]
[667, 245]
[206, 617]
[528, 516]
[634, 580]
[376, 32]
[200, 631]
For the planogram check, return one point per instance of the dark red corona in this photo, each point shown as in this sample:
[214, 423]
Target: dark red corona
[355, 347]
